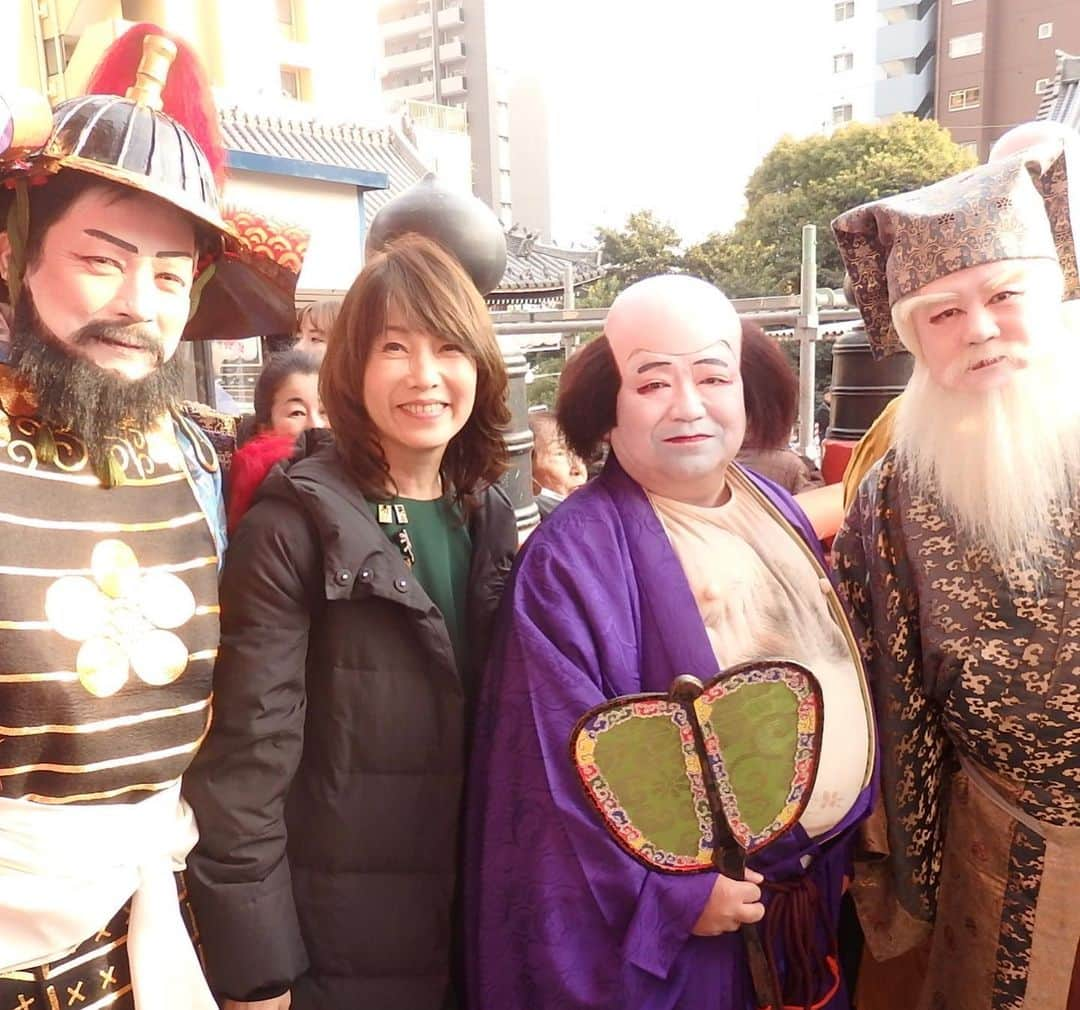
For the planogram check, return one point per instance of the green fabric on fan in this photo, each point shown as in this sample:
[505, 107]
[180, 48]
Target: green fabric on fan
[757, 766]
[643, 765]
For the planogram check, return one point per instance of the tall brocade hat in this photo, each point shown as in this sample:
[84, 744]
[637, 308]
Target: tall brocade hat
[149, 123]
[1017, 208]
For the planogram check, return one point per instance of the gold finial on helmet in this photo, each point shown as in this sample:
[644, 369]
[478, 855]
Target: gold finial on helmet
[158, 55]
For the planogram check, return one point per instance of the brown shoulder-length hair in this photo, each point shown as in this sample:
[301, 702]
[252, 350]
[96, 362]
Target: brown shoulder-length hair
[588, 389]
[770, 390]
[426, 284]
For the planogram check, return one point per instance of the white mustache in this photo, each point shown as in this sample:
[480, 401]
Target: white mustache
[984, 354]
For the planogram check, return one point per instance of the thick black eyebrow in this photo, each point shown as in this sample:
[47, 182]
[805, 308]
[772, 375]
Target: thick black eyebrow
[713, 361]
[128, 247]
[652, 364]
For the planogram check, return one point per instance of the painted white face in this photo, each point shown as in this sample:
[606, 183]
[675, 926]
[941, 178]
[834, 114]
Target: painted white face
[126, 264]
[679, 414]
[976, 328]
[419, 390]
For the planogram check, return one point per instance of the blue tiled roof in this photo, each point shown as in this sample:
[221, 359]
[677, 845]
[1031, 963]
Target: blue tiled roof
[532, 269]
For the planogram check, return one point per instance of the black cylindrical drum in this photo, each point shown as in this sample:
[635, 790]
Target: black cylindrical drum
[862, 386]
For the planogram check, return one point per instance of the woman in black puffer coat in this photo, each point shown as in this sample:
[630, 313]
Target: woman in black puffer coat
[357, 601]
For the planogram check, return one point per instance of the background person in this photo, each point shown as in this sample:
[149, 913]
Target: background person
[357, 603]
[556, 469]
[314, 322]
[771, 393]
[286, 404]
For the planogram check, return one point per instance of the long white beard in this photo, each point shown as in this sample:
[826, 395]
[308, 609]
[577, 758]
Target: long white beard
[1000, 462]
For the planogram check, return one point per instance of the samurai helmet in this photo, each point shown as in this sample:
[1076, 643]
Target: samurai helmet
[149, 124]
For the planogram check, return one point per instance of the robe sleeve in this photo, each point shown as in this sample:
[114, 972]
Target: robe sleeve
[897, 877]
[566, 642]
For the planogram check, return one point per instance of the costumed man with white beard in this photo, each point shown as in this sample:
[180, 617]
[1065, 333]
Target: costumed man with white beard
[112, 250]
[960, 561]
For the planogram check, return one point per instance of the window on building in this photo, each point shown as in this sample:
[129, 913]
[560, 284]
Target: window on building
[842, 62]
[968, 145]
[844, 11]
[965, 98]
[286, 16]
[957, 2]
[1044, 85]
[841, 114]
[966, 45]
[292, 84]
[1046, 30]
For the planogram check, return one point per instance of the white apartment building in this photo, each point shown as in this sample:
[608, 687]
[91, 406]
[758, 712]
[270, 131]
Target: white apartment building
[852, 69]
[438, 52]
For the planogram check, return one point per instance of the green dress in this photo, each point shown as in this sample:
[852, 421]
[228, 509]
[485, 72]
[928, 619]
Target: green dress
[441, 554]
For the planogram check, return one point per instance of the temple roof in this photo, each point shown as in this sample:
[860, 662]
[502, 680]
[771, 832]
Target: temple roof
[1061, 103]
[534, 271]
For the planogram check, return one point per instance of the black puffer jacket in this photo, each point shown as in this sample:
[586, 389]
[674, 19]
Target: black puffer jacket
[328, 792]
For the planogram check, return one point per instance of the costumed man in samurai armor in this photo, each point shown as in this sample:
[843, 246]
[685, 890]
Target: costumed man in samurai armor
[673, 561]
[959, 559]
[112, 251]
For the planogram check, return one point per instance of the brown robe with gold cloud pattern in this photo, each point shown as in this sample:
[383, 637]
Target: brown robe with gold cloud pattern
[977, 686]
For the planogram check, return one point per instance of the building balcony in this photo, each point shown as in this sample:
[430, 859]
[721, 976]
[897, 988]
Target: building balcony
[424, 92]
[905, 40]
[406, 61]
[912, 92]
[890, 6]
[906, 10]
[453, 85]
[451, 17]
[449, 53]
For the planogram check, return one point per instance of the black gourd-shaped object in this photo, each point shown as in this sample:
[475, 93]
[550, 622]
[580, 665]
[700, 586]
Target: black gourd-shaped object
[463, 225]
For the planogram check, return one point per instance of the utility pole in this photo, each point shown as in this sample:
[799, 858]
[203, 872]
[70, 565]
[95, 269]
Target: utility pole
[806, 328]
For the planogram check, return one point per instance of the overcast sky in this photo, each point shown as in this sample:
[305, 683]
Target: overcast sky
[666, 104]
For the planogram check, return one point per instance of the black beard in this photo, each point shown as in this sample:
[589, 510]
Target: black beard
[73, 394]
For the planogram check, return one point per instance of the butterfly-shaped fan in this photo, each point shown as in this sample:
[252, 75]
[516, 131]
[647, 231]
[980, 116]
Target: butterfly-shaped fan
[688, 780]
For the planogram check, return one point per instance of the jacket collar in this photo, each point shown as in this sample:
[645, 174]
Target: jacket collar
[358, 558]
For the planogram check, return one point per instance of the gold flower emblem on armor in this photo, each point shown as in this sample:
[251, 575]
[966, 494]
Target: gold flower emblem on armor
[123, 618]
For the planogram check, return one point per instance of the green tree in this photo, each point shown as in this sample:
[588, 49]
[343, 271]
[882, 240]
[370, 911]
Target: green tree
[643, 247]
[810, 181]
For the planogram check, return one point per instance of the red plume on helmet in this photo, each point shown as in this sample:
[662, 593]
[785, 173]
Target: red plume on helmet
[186, 98]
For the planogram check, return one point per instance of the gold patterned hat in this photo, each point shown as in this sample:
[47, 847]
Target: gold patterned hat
[1017, 208]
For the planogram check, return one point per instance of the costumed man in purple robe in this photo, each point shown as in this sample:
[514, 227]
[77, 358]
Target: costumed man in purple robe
[959, 557]
[673, 561]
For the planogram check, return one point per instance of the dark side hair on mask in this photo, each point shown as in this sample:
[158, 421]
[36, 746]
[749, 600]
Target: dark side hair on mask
[274, 375]
[585, 408]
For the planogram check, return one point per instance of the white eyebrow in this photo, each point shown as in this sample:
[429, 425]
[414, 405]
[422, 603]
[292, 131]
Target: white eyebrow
[1003, 277]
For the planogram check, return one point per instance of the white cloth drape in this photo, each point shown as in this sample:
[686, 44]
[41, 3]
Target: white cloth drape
[65, 871]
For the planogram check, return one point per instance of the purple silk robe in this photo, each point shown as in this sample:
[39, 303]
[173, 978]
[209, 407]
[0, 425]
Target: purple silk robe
[558, 917]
